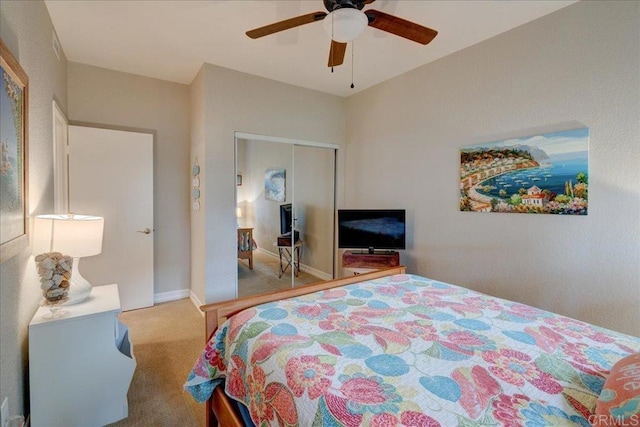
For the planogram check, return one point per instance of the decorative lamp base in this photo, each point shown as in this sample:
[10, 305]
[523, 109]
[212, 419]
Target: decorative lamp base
[79, 288]
[55, 308]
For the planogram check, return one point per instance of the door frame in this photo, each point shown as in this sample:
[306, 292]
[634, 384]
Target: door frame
[293, 142]
[60, 160]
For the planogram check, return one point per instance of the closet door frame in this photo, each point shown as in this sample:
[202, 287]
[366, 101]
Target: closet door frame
[293, 143]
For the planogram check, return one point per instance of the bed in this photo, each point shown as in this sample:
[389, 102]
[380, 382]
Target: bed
[388, 348]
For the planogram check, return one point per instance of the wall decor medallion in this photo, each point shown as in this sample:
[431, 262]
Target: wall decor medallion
[14, 109]
[547, 174]
[195, 182]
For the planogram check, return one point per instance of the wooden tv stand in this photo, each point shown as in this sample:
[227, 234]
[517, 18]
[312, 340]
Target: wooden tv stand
[364, 259]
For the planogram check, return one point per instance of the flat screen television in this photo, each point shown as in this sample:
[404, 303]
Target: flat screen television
[286, 217]
[371, 229]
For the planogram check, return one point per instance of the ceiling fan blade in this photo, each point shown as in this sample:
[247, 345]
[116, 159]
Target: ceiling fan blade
[336, 53]
[286, 24]
[400, 27]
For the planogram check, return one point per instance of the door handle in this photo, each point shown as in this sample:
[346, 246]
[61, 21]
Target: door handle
[145, 231]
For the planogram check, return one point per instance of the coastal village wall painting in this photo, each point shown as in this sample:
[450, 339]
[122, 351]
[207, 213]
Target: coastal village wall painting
[13, 154]
[544, 174]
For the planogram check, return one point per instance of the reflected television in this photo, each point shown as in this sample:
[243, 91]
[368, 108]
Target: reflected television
[286, 218]
[371, 229]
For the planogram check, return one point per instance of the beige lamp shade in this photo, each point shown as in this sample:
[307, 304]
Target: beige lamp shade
[74, 235]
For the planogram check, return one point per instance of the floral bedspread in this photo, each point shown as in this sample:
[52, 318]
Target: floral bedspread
[407, 350]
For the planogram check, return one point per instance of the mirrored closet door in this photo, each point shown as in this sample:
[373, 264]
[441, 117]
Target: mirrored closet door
[285, 204]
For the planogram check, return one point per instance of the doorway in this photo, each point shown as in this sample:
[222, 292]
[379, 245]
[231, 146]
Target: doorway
[111, 175]
[282, 183]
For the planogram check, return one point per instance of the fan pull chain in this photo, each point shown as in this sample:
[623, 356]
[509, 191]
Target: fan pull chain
[352, 50]
[332, 50]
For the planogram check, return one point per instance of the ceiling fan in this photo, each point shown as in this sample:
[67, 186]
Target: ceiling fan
[345, 21]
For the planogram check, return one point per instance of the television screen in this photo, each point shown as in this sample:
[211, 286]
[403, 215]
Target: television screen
[371, 228]
[285, 218]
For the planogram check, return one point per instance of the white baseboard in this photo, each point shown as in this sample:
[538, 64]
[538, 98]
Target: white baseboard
[176, 295]
[194, 299]
[268, 253]
[170, 296]
[303, 267]
[319, 274]
[184, 293]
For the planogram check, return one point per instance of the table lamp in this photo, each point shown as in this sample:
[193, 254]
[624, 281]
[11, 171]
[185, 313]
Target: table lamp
[74, 235]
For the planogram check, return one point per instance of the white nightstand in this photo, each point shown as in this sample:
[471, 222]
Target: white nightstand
[80, 365]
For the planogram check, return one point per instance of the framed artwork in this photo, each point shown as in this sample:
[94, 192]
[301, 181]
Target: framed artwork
[541, 174]
[14, 108]
[274, 185]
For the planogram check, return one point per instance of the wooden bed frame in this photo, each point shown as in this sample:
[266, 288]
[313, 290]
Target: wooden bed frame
[221, 409]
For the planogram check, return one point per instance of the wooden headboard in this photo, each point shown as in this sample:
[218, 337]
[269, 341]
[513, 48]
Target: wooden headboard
[217, 313]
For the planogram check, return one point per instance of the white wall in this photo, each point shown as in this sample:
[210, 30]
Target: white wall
[117, 100]
[578, 66]
[198, 128]
[26, 29]
[241, 102]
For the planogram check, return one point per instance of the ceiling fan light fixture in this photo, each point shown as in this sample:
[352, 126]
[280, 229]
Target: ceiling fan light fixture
[345, 24]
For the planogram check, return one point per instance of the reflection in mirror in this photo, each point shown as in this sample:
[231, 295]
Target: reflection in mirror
[314, 194]
[304, 181]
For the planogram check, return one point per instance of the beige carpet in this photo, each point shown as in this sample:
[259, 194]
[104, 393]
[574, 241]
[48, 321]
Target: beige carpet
[264, 276]
[167, 339]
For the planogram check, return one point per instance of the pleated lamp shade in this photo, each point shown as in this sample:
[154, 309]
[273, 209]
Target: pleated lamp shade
[74, 235]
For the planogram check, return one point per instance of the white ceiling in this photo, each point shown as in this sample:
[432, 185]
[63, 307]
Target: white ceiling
[170, 40]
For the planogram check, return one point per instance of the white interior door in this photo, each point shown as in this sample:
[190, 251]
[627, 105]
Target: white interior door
[111, 175]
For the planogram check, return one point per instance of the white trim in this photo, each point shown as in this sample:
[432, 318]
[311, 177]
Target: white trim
[194, 299]
[170, 296]
[60, 160]
[56, 45]
[268, 253]
[244, 135]
[303, 267]
[178, 295]
[317, 273]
